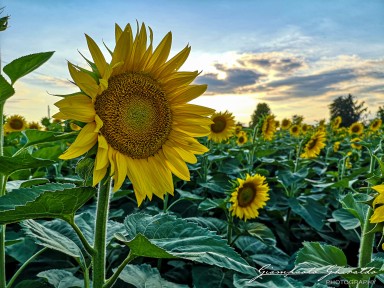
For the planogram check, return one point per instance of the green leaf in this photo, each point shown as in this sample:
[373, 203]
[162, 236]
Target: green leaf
[38, 137]
[143, 276]
[260, 231]
[214, 224]
[26, 64]
[24, 160]
[165, 236]
[6, 89]
[318, 254]
[53, 240]
[346, 219]
[188, 195]
[210, 277]
[239, 281]
[44, 201]
[61, 278]
[209, 204]
[40, 283]
[262, 254]
[357, 209]
[312, 212]
[16, 184]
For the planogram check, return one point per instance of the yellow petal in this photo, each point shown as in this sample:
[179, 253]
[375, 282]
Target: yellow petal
[178, 79]
[98, 175]
[175, 163]
[83, 143]
[186, 155]
[379, 188]
[187, 94]
[192, 108]
[194, 131]
[96, 54]
[85, 82]
[173, 64]
[161, 53]
[378, 215]
[121, 168]
[77, 107]
[122, 51]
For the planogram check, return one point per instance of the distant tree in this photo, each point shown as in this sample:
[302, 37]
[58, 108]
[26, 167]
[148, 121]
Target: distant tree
[348, 108]
[261, 110]
[380, 113]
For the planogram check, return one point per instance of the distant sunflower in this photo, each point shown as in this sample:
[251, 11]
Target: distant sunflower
[314, 145]
[15, 123]
[375, 124]
[34, 125]
[354, 143]
[305, 128]
[238, 129]
[136, 111]
[223, 126]
[268, 128]
[336, 146]
[295, 130]
[356, 128]
[242, 138]
[378, 205]
[336, 122]
[74, 126]
[285, 124]
[249, 196]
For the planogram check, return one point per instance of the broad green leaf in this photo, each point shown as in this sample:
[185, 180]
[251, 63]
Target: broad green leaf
[24, 160]
[357, 209]
[346, 219]
[38, 137]
[22, 250]
[173, 237]
[319, 254]
[40, 283]
[188, 195]
[211, 277]
[311, 212]
[61, 278]
[262, 254]
[53, 240]
[26, 64]
[6, 89]
[16, 184]
[214, 224]
[44, 201]
[143, 276]
[288, 178]
[260, 231]
[209, 204]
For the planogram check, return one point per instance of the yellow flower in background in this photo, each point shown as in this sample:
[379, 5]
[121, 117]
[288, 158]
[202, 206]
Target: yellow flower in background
[136, 111]
[223, 126]
[354, 144]
[378, 205]
[314, 145]
[34, 125]
[15, 123]
[305, 128]
[356, 128]
[295, 130]
[238, 129]
[249, 196]
[74, 126]
[285, 124]
[242, 138]
[375, 124]
[336, 146]
[268, 128]
[336, 122]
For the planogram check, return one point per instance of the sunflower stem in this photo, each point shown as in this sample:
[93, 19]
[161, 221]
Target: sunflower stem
[98, 259]
[2, 193]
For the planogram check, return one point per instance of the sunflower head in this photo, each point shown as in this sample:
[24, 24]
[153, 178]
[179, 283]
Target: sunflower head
[249, 195]
[375, 124]
[354, 143]
[378, 205]
[268, 127]
[285, 124]
[238, 129]
[315, 144]
[15, 123]
[295, 130]
[223, 126]
[34, 125]
[136, 112]
[336, 146]
[356, 128]
[336, 122]
[242, 138]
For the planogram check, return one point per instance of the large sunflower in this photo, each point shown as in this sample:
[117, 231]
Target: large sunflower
[136, 112]
[15, 123]
[223, 126]
[268, 128]
[249, 196]
[314, 145]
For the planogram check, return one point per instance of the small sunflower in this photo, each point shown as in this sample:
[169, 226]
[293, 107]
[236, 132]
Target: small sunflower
[336, 146]
[268, 128]
[375, 124]
[242, 138]
[285, 124]
[295, 130]
[34, 125]
[305, 128]
[249, 196]
[354, 143]
[378, 205]
[223, 126]
[238, 129]
[314, 145]
[336, 122]
[356, 128]
[74, 126]
[137, 113]
[15, 123]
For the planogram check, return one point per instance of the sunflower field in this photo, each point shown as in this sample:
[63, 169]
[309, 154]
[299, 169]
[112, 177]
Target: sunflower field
[131, 185]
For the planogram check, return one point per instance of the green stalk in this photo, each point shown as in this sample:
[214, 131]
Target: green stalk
[98, 260]
[115, 275]
[2, 193]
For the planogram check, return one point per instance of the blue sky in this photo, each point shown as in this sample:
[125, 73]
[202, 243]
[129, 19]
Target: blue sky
[296, 56]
